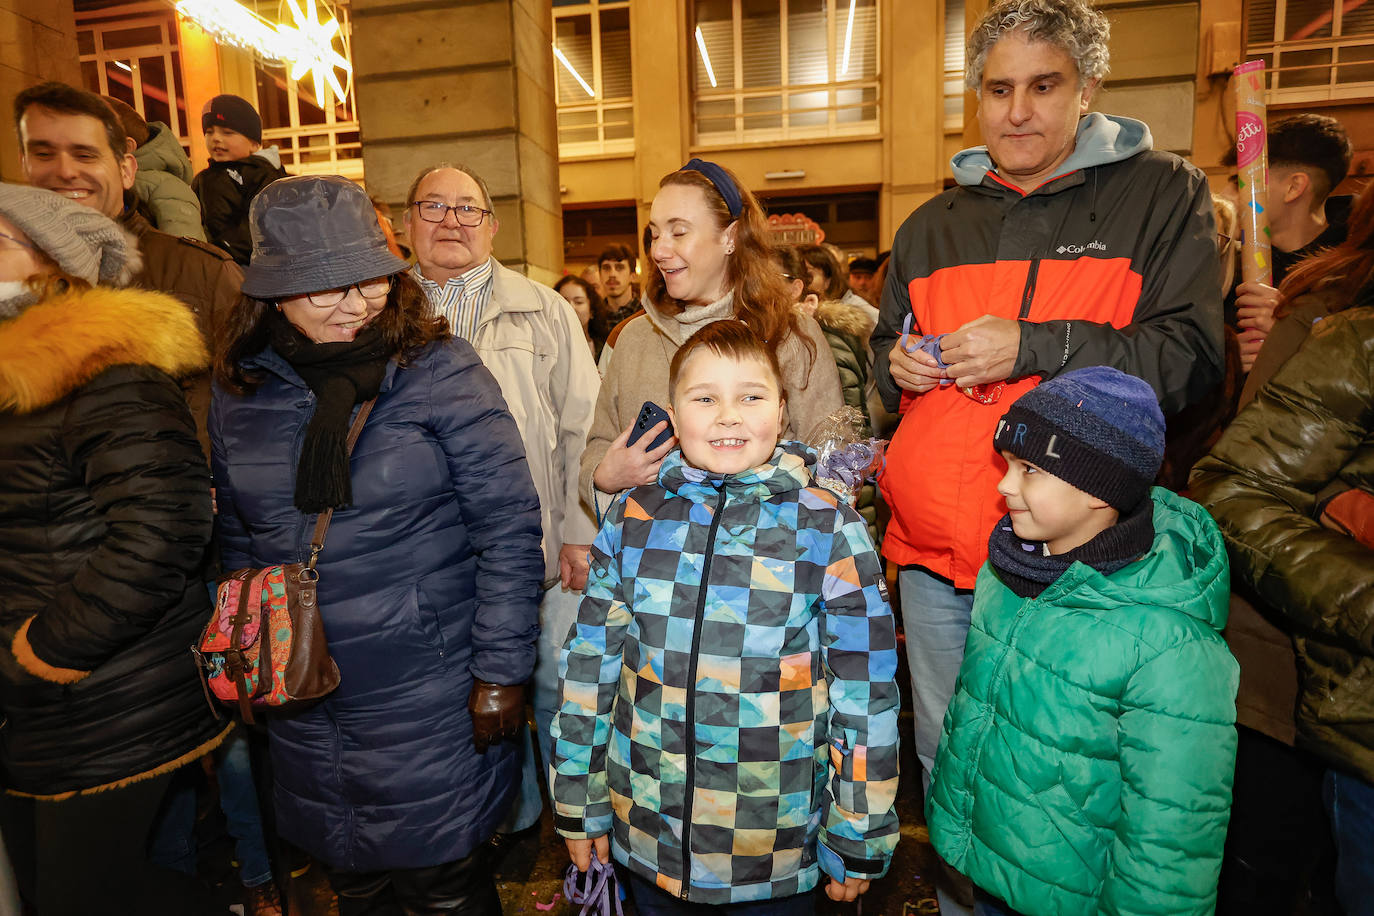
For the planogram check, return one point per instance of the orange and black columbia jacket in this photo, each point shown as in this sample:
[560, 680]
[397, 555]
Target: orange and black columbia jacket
[1112, 262]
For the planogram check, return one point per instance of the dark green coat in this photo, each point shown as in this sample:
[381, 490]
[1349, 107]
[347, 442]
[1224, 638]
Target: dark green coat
[1087, 755]
[1311, 426]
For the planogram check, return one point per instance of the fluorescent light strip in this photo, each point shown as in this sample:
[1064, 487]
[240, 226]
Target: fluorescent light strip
[123, 66]
[567, 65]
[848, 37]
[705, 58]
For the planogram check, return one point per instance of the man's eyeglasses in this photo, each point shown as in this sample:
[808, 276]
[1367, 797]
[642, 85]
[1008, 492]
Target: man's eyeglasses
[370, 289]
[434, 211]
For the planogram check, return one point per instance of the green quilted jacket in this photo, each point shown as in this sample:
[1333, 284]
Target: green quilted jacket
[1311, 427]
[1087, 755]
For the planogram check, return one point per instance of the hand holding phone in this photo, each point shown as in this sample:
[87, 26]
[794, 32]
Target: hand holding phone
[650, 415]
[630, 462]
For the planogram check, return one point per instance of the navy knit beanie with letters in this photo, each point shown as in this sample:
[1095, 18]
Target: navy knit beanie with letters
[1098, 429]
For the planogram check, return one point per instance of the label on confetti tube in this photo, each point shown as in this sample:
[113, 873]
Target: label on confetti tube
[1250, 138]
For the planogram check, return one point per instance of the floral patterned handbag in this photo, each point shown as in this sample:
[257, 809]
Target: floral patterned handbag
[265, 645]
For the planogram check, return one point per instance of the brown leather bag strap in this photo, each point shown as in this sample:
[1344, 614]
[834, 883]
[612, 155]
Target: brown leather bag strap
[322, 523]
[237, 663]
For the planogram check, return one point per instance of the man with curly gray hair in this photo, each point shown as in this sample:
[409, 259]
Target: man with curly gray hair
[1067, 242]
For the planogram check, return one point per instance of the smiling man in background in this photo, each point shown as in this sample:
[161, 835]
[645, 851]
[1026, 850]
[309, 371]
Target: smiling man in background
[1068, 242]
[72, 143]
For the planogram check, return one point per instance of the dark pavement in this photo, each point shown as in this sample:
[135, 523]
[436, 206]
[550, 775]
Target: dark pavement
[530, 867]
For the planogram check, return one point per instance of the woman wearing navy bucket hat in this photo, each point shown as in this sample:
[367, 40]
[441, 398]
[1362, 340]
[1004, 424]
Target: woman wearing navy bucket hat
[429, 580]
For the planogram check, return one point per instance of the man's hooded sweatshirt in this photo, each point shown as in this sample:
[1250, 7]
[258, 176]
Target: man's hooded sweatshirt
[1110, 263]
[728, 709]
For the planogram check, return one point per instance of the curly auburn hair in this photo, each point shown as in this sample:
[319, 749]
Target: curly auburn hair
[407, 323]
[762, 299]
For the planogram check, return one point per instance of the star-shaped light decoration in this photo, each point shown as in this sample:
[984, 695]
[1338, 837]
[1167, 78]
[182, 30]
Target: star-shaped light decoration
[312, 45]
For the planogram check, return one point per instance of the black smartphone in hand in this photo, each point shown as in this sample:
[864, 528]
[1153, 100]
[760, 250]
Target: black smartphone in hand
[650, 415]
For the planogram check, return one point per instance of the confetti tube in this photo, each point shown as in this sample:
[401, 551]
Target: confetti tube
[1252, 172]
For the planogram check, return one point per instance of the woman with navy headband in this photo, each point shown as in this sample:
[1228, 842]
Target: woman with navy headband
[708, 238]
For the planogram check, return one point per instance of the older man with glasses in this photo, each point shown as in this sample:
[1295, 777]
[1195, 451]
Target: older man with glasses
[530, 339]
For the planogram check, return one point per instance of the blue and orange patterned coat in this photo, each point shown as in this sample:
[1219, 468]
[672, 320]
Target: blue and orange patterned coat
[728, 709]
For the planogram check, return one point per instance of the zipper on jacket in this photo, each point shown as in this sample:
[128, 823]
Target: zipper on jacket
[691, 765]
[1028, 294]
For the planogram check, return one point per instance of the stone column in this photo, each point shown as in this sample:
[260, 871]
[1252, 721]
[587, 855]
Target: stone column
[913, 112]
[465, 81]
[37, 43]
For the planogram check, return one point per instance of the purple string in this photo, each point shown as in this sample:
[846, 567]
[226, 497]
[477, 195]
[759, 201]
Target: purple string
[599, 892]
[930, 344]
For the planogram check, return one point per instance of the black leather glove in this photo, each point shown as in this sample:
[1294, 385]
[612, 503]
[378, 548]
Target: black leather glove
[497, 711]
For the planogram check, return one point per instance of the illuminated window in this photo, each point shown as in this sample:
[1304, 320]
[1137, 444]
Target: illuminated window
[1317, 50]
[784, 69]
[591, 49]
[135, 59]
[955, 41]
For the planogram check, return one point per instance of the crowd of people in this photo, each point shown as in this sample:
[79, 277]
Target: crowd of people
[602, 507]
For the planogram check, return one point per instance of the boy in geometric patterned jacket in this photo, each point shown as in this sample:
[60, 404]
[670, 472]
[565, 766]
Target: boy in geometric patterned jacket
[728, 724]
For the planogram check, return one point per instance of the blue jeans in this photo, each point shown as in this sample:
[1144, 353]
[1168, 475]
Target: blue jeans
[1350, 804]
[557, 614]
[935, 616]
[648, 900]
[173, 844]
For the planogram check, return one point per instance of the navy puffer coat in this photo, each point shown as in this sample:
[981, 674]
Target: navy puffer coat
[429, 579]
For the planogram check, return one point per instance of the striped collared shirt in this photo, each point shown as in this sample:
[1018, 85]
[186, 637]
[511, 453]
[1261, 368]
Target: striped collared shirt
[462, 299]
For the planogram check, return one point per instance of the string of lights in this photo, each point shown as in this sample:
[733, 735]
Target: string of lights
[304, 47]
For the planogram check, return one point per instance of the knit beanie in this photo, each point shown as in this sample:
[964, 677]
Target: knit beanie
[84, 242]
[1097, 429]
[234, 113]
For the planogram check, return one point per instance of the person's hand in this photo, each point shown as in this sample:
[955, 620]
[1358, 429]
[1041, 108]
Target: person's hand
[580, 851]
[572, 566]
[625, 466]
[1255, 305]
[982, 351]
[917, 372]
[1249, 340]
[497, 710]
[847, 892]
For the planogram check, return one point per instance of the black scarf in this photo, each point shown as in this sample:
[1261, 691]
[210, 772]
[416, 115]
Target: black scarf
[1026, 569]
[341, 375]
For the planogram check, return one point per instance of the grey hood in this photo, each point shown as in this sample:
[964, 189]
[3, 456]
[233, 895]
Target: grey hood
[1101, 139]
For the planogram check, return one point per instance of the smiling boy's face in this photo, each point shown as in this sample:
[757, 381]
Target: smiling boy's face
[727, 412]
[227, 145]
[1047, 508]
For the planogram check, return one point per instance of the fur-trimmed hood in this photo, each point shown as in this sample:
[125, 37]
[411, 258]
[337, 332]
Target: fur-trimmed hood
[52, 348]
[834, 315]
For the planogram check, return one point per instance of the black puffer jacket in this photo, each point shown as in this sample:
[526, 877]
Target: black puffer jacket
[104, 523]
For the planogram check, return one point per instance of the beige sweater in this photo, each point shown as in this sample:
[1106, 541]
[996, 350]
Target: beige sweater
[638, 372]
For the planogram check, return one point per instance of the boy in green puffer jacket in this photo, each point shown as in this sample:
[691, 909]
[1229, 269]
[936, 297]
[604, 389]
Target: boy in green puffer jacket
[1086, 760]
[728, 718]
